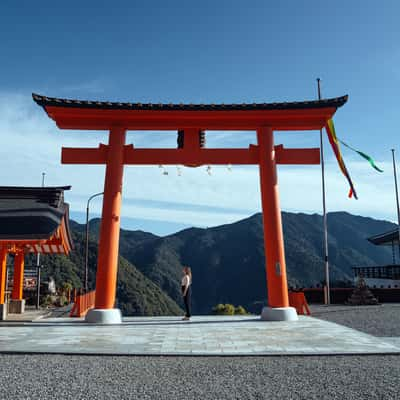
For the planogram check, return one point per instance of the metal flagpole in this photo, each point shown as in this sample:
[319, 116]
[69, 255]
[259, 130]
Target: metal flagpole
[328, 295]
[38, 266]
[397, 196]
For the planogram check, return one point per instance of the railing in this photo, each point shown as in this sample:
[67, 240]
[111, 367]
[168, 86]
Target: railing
[83, 303]
[341, 295]
[378, 272]
[299, 302]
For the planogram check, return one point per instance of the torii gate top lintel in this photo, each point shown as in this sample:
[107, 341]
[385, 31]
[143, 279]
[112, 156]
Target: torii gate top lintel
[100, 115]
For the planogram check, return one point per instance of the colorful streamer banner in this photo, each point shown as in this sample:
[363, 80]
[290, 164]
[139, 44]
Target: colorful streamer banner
[330, 130]
[366, 156]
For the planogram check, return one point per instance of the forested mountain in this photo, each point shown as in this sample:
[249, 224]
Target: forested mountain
[136, 294]
[227, 261]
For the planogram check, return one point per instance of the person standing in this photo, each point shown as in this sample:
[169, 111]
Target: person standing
[187, 291]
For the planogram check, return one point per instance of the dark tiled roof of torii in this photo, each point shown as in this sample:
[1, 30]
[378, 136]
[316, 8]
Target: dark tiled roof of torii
[107, 105]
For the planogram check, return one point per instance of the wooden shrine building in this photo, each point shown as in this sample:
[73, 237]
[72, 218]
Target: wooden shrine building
[32, 220]
[383, 276]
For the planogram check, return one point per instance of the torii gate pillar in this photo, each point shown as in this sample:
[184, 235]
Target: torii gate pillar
[278, 302]
[107, 267]
[3, 275]
[17, 303]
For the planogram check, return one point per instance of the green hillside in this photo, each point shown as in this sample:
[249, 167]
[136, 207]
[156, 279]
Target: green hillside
[136, 294]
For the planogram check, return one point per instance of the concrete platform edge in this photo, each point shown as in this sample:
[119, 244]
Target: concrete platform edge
[197, 354]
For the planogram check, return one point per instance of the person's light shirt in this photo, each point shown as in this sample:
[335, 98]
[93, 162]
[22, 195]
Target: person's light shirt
[186, 280]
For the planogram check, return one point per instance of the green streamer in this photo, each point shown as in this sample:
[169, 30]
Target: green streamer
[366, 156]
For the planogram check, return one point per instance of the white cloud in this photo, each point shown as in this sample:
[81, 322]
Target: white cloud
[30, 143]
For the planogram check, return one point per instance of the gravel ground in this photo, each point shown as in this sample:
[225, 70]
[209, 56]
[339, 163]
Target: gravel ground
[382, 320]
[216, 378]
[93, 377]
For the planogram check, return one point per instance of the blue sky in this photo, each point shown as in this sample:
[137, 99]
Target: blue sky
[208, 51]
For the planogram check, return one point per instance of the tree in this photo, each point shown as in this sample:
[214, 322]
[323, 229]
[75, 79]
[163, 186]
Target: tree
[239, 310]
[228, 309]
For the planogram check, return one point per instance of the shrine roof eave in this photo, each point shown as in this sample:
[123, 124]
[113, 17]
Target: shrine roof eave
[50, 238]
[31, 223]
[385, 239]
[95, 115]
[34, 215]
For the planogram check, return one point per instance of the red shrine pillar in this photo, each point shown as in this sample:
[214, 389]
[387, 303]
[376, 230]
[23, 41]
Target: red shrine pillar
[17, 303]
[278, 300]
[107, 267]
[3, 273]
[18, 283]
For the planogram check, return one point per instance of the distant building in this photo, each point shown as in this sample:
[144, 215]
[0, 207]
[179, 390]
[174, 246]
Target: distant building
[382, 276]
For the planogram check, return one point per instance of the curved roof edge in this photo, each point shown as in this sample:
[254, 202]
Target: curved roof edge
[35, 214]
[45, 101]
[385, 239]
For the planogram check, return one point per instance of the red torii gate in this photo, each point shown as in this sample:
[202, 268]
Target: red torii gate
[192, 121]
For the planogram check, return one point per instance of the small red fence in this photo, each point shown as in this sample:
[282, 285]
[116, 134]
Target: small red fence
[83, 303]
[299, 302]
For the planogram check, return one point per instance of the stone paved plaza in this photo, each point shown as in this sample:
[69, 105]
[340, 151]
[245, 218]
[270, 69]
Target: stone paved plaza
[203, 335]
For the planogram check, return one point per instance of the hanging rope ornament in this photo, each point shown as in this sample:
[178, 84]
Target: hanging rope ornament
[209, 170]
[229, 166]
[164, 171]
[179, 170]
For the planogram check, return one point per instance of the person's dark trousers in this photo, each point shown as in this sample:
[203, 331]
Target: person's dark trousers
[187, 300]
